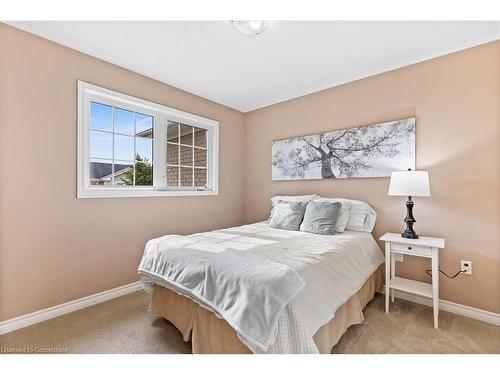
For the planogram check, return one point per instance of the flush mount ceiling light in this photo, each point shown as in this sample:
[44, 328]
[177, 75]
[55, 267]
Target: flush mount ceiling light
[250, 27]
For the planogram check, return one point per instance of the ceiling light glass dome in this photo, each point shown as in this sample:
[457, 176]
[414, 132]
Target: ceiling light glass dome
[250, 27]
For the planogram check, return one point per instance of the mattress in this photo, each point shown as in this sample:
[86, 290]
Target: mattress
[334, 269]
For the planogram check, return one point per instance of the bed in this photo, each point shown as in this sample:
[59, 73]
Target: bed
[315, 287]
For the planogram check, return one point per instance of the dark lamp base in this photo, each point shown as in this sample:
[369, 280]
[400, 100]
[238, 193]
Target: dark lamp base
[409, 234]
[409, 220]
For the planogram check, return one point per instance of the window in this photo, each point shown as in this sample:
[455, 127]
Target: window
[121, 146]
[186, 155]
[130, 147]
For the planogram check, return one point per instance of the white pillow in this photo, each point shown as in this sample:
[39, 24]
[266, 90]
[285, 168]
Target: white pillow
[344, 213]
[362, 216]
[293, 198]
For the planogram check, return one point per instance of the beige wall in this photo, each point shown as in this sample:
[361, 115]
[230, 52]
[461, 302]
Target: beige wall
[455, 99]
[53, 247]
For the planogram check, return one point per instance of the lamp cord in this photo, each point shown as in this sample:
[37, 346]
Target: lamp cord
[428, 272]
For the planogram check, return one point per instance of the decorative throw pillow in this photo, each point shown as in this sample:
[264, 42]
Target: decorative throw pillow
[361, 218]
[287, 215]
[344, 213]
[321, 217]
[291, 198]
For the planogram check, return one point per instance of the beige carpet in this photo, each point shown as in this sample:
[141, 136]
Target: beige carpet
[123, 325]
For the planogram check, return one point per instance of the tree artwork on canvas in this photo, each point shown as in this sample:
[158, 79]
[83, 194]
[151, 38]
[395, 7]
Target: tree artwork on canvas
[368, 151]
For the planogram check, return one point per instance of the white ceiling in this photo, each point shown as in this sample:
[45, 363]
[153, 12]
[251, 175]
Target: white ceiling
[289, 59]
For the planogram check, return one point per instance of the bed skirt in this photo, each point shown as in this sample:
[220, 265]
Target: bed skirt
[211, 335]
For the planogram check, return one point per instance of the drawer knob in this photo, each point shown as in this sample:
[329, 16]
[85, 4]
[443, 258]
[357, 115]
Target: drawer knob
[409, 247]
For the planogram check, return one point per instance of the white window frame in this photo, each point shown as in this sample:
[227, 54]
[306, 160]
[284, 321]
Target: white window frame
[161, 115]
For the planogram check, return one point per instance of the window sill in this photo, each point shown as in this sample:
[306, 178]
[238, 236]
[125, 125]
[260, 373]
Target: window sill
[140, 193]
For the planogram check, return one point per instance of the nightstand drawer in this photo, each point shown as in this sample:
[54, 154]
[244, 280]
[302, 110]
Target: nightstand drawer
[411, 249]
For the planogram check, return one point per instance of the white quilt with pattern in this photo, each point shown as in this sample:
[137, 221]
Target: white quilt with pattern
[333, 268]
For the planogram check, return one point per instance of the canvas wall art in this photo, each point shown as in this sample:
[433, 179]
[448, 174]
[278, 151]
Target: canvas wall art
[367, 151]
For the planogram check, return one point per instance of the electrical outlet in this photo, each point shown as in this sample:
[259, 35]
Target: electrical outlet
[466, 266]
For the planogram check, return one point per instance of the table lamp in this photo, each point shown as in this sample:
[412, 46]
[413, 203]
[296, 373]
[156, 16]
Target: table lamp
[411, 184]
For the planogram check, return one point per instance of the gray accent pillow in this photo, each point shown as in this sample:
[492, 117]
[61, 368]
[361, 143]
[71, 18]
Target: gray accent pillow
[287, 215]
[321, 217]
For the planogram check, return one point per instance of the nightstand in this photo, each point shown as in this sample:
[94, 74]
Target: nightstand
[427, 247]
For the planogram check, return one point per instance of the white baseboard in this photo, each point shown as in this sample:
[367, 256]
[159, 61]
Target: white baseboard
[455, 308]
[77, 304]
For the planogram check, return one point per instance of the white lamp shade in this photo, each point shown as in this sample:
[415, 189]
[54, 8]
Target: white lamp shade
[410, 183]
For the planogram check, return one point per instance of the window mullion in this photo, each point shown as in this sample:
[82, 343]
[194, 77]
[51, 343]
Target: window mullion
[179, 154]
[159, 151]
[135, 146]
[113, 146]
[192, 159]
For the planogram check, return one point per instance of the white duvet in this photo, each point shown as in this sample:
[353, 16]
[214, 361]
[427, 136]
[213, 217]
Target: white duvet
[333, 269]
